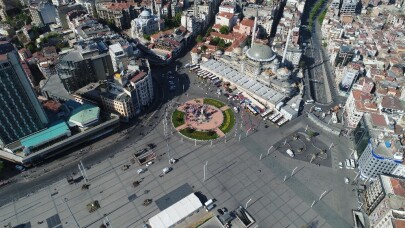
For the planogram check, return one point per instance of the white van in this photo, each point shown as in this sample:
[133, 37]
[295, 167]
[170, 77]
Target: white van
[309, 101]
[209, 205]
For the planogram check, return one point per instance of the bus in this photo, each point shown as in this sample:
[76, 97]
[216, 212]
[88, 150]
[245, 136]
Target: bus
[266, 113]
[193, 68]
[252, 110]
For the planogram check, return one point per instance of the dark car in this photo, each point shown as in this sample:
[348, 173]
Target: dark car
[220, 211]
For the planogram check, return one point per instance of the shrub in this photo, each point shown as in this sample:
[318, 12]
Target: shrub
[178, 118]
[214, 103]
[229, 121]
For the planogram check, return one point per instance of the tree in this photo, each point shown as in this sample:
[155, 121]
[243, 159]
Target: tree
[146, 36]
[209, 30]
[224, 29]
[199, 39]
[32, 47]
[203, 48]
[311, 134]
[1, 166]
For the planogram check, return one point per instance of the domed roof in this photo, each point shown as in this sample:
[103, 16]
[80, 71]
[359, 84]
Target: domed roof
[261, 53]
[145, 13]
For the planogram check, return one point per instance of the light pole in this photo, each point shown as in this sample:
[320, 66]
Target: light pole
[268, 151]
[246, 206]
[322, 195]
[292, 173]
[313, 203]
[260, 156]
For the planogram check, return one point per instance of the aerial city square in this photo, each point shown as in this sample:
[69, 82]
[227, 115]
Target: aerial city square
[202, 113]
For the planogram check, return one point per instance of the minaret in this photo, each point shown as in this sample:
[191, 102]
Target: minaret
[286, 46]
[254, 32]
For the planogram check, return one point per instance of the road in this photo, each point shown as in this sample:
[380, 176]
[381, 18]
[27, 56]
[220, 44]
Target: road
[318, 74]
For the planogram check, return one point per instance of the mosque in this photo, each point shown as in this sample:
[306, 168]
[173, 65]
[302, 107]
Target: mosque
[259, 62]
[146, 24]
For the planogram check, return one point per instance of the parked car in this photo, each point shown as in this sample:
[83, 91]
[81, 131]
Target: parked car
[141, 171]
[149, 163]
[347, 180]
[20, 168]
[167, 169]
[220, 211]
[340, 165]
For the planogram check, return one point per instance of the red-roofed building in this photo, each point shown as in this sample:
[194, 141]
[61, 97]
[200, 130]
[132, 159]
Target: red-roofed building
[245, 27]
[357, 104]
[121, 13]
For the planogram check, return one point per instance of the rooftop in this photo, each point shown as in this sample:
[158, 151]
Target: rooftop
[84, 114]
[55, 131]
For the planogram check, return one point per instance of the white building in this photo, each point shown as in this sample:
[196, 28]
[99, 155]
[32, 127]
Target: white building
[117, 54]
[146, 24]
[379, 157]
[348, 7]
[349, 76]
[191, 23]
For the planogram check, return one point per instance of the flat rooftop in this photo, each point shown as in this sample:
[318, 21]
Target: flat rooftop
[55, 131]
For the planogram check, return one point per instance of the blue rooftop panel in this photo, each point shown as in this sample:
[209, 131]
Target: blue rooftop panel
[57, 130]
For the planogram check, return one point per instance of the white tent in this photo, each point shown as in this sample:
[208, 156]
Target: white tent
[176, 213]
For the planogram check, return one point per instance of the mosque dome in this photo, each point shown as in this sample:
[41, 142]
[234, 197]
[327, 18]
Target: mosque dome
[261, 53]
[145, 14]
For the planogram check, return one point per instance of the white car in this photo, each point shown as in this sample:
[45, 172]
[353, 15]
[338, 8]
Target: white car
[340, 165]
[149, 163]
[167, 169]
[141, 171]
[347, 180]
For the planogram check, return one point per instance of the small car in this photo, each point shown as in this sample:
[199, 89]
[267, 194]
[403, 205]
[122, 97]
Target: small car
[20, 168]
[340, 165]
[141, 171]
[346, 180]
[167, 169]
[149, 163]
[220, 211]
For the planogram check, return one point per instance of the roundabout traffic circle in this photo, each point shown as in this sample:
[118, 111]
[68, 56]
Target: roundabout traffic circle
[203, 119]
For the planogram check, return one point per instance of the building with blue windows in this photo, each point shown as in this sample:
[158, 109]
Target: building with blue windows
[379, 157]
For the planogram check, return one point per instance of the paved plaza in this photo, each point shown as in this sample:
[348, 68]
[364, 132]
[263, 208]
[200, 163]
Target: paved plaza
[235, 175]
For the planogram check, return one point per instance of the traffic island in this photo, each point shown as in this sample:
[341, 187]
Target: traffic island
[203, 119]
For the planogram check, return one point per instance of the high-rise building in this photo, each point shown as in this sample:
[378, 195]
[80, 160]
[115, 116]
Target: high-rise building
[379, 158]
[21, 114]
[78, 68]
[383, 202]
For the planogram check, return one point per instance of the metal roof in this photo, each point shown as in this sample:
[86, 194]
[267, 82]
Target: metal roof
[55, 131]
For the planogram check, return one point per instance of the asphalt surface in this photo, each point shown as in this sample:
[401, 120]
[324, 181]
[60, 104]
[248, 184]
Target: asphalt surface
[319, 81]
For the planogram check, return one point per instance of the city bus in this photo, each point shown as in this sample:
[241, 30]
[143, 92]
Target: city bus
[252, 110]
[266, 113]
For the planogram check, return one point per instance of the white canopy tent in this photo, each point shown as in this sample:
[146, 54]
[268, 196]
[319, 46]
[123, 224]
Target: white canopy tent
[176, 213]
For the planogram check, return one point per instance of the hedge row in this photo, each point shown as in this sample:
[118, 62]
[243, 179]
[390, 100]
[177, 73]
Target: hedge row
[178, 118]
[213, 102]
[229, 121]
